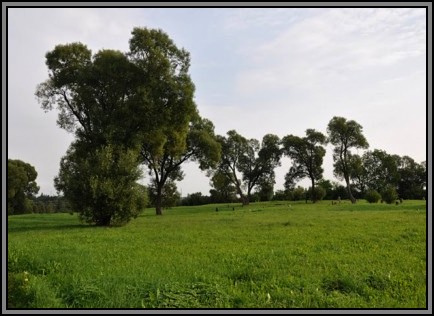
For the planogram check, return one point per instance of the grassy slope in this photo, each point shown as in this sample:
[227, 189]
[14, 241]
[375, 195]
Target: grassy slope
[266, 255]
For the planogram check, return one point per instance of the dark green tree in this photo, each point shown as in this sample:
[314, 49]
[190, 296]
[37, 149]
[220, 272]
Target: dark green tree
[177, 132]
[345, 135]
[307, 154]
[372, 196]
[389, 194]
[142, 100]
[381, 169]
[200, 145]
[21, 186]
[101, 183]
[412, 178]
[169, 195]
[223, 189]
[246, 163]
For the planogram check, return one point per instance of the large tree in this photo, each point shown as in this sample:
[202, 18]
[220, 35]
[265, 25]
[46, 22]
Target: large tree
[177, 132]
[345, 135]
[141, 100]
[247, 163]
[164, 167]
[21, 186]
[307, 155]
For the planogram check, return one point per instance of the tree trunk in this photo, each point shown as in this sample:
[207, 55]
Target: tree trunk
[159, 200]
[350, 195]
[313, 191]
[245, 200]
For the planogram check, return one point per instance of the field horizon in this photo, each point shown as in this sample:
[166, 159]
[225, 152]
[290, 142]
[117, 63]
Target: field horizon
[279, 254]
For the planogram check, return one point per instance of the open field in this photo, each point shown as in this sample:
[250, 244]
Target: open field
[266, 255]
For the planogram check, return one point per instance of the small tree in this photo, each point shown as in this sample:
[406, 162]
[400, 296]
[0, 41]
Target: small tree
[389, 194]
[169, 195]
[307, 154]
[101, 183]
[372, 196]
[345, 135]
[318, 193]
[21, 186]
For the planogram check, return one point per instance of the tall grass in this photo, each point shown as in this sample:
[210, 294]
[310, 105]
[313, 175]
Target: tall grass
[266, 255]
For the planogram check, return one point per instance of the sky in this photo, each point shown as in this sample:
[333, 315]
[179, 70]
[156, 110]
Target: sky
[256, 70]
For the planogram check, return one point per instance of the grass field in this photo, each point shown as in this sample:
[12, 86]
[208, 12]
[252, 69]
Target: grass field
[266, 255]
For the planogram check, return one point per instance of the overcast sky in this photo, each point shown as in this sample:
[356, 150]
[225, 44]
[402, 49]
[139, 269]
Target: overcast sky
[257, 71]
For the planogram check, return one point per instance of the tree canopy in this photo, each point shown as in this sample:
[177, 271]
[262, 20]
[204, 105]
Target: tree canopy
[307, 157]
[140, 101]
[345, 135]
[254, 161]
[21, 186]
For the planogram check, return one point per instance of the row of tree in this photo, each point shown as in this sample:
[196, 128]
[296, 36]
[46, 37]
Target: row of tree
[136, 108]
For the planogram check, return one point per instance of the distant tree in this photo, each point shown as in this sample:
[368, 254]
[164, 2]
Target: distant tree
[358, 173]
[200, 145]
[195, 199]
[169, 195]
[307, 155]
[316, 194]
[412, 178]
[389, 194]
[328, 188]
[265, 191]
[298, 194]
[222, 189]
[345, 135]
[372, 196]
[101, 183]
[21, 186]
[282, 195]
[255, 162]
[381, 169]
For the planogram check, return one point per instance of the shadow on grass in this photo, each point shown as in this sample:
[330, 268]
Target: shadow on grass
[48, 227]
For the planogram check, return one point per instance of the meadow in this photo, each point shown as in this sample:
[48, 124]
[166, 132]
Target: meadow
[265, 255]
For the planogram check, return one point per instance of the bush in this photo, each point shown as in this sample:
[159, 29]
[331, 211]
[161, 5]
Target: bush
[318, 194]
[100, 183]
[389, 195]
[372, 196]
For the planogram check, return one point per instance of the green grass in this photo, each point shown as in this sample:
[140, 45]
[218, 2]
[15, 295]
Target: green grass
[266, 255]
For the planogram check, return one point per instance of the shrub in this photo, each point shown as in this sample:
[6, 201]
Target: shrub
[100, 183]
[389, 194]
[318, 194]
[372, 196]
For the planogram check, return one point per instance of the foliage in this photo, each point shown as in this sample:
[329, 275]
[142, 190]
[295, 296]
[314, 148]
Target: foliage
[345, 135]
[307, 155]
[223, 189]
[389, 194]
[140, 98]
[412, 178]
[201, 147]
[51, 204]
[318, 193]
[256, 162]
[372, 196]
[101, 183]
[21, 186]
[170, 196]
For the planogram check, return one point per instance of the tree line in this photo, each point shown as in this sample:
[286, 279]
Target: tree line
[137, 108]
